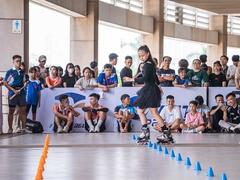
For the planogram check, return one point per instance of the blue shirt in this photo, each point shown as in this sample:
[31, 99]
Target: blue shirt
[15, 78]
[123, 108]
[33, 89]
[103, 81]
[180, 81]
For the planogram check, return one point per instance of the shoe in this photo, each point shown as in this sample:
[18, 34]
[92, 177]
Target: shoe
[18, 130]
[91, 129]
[10, 131]
[144, 136]
[60, 129]
[187, 131]
[97, 129]
[165, 137]
[66, 129]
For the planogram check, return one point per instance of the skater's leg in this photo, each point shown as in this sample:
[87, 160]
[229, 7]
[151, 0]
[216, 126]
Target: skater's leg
[145, 135]
[142, 116]
[156, 116]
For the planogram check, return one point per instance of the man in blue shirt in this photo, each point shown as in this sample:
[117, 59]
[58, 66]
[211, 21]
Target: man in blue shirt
[14, 81]
[107, 79]
[124, 113]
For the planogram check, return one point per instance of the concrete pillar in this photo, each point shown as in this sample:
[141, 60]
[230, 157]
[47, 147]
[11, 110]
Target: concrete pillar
[218, 23]
[84, 36]
[13, 43]
[155, 41]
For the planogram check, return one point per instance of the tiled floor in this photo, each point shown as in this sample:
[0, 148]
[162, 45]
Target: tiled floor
[115, 156]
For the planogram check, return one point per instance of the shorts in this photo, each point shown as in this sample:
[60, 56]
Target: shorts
[102, 128]
[34, 108]
[19, 100]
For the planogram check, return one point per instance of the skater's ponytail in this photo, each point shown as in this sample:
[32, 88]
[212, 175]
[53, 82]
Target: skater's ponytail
[147, 50]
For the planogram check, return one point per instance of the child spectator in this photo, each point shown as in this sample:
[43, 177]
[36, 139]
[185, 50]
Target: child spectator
[63, 115]
[197, 76]
[95, 114]
[60, 71]
[165, 74]
[126, 73]
[53, 80]
[107, 79]
[171, 115]
[181, 80]
[217, 79]
[183, 63]
[86, 82]
[33, 93]
[77, 71]
[194, 122]
[217, 113]
[232, 70]
[124, 113]
[69, 79]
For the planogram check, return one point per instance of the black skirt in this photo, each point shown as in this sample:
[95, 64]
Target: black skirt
[149, 96]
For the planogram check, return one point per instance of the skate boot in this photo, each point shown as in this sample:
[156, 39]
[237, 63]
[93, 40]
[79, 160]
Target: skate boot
[144, 136]
[165, 137]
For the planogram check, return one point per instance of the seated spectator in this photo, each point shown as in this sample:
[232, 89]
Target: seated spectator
[95, 114]
[231, 71]
[181, 80]
[138, 80]
[217, 113]
[69, 79]
[126, 73]
[197, 76]
[77, 71]
[194, 122]
[171, 115]
[107, 79]
[86, 82]
[224, 61]
[33, 89]
[94, 68]
[237, 76]
[233, 122]
[124, 113]
[217, 79]
[204, 110]
[183, 63]
[165, 74]
[53, 80]
[63, 115]
[203, 59]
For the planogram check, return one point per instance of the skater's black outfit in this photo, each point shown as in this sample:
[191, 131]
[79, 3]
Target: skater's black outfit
[149, 96]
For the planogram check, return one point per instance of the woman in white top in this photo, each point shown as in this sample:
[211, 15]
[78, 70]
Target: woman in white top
[86, 82]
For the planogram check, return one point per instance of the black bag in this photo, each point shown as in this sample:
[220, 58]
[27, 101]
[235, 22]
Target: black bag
[34, 126]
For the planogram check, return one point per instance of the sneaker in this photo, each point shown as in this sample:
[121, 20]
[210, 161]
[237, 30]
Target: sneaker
[18, 130]
[10, 131]
[66, 129]
[187, 130]
[60, 129]
[91, 129]
[97, 129]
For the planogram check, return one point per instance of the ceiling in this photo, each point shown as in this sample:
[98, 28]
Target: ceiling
[216, 6]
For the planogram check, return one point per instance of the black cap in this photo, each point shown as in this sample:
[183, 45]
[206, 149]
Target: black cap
[124, 96]
[235, 58]
[112, 56]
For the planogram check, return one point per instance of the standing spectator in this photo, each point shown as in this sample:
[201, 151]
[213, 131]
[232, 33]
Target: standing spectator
[217, 79]
[203, 59]
[86, 82]
[217, 113]
[39, 78]
[237, 76]
[42, 61]
[183, 63]
[138, 77]
[14, 81]
[69, 79]
[126, 73]
[53, 80]
[33, 93]
[165, 74]
[232, 70]
[60, 71]
[94, 68]
[224, 61]
[113, 57]
[107, 79]
[197, 76]
[77, 70]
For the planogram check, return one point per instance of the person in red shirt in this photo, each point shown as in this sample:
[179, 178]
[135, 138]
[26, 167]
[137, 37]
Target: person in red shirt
[53, 80]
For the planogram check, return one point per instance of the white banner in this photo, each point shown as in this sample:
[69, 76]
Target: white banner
[110, 100]
[220, 90]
